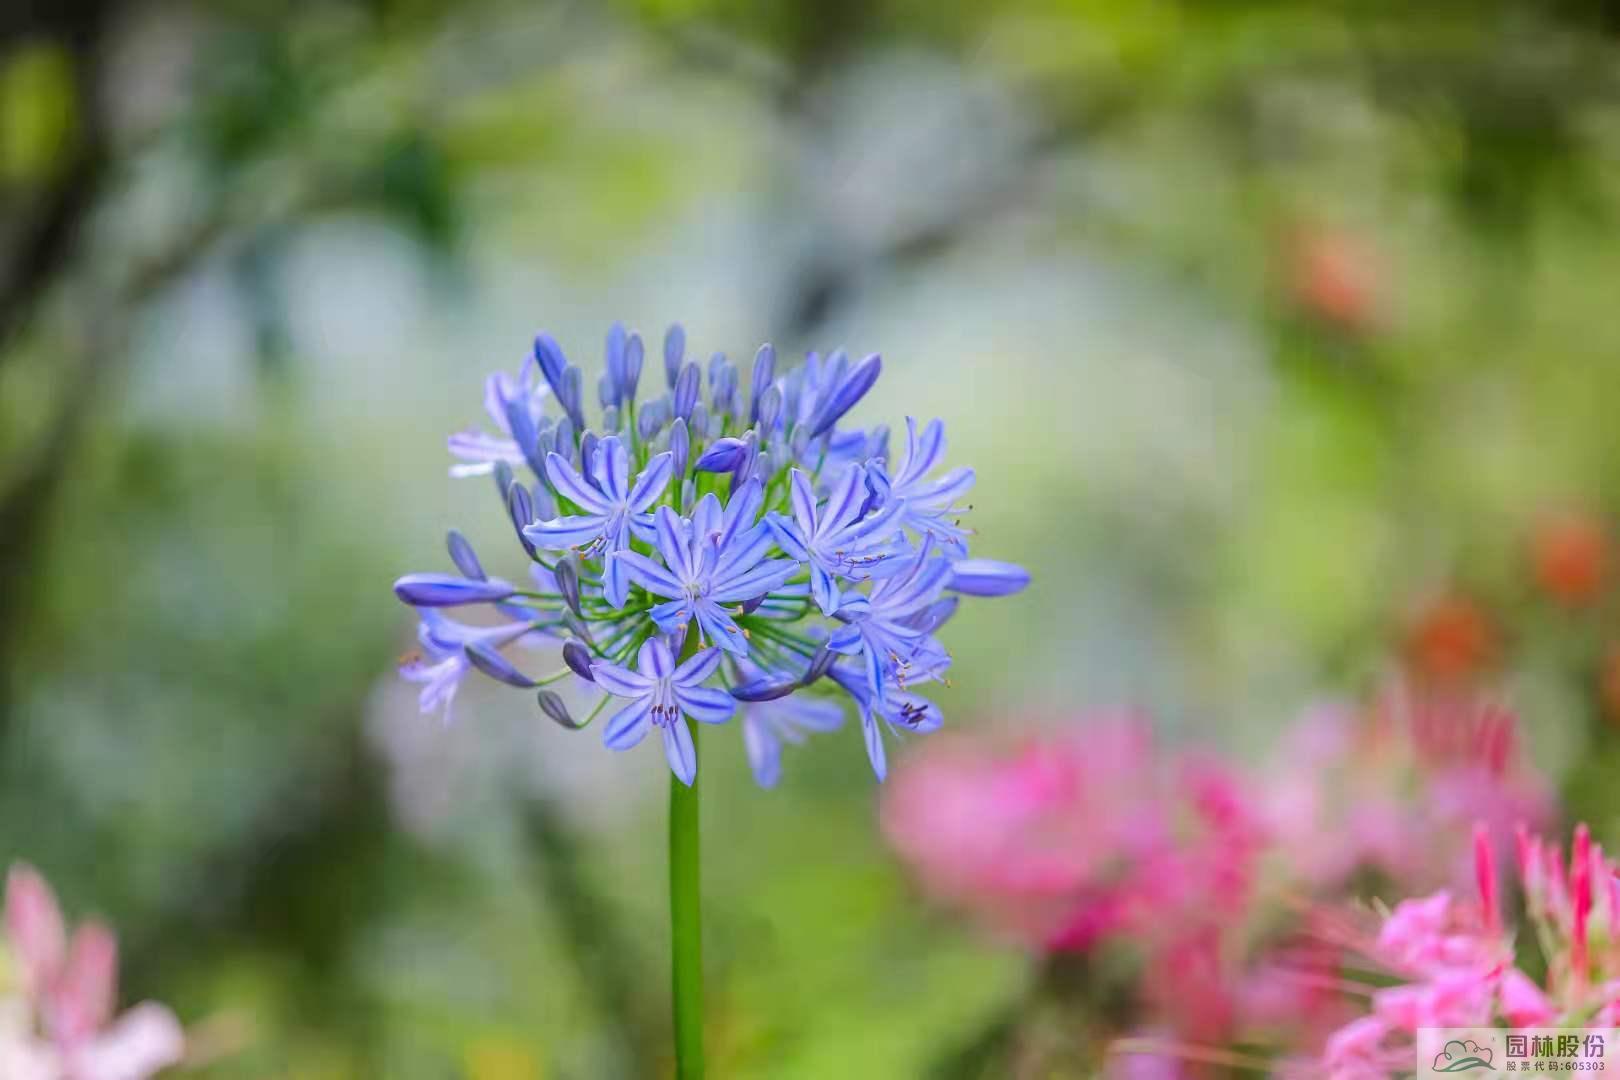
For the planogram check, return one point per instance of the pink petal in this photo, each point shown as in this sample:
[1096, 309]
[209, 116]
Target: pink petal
[34, 925]
[139, 1043]
[82, 998]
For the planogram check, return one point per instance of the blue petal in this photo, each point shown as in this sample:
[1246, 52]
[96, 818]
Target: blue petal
[572, 486]
[764, 752]
[672, 544]
[462, 554]
[487, 659]
[824, 589]
[987, 577]
[629, 725]
[721, 456]
[565, 532]
[756, 582]
[652, 482]
[615, 580]
[741, 552]
[681, 752]
[742, 510]
[719, 628]
[697, 668]
[789, 537]
[654, 660]
[648, 574]
[845, 503]
[705, 704]
[672, 616]
[874, 745]
[848, 393]
[620, 681]
[448, 590]
[611, 468]
[803, 498]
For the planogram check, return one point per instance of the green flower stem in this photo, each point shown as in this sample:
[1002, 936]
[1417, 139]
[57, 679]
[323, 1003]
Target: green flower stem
[685, 911]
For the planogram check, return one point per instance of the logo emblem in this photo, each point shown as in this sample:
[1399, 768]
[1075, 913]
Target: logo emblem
[1463, 1055]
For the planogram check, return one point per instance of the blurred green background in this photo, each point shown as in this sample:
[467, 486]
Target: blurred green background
[1264, 324]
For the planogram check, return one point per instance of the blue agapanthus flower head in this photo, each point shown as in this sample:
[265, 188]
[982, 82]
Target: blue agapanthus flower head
[713, 550]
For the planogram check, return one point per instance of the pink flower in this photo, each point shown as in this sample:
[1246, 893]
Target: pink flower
[1075, 837]
[1458, 960]
[1398, 786]
[70, 987]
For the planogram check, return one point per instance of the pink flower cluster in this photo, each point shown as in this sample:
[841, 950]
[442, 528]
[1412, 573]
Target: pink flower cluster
[1395, 790]
[1075, 837]
[56, 1009]
[1092, 836]
[1458, 964]
[1220, 884]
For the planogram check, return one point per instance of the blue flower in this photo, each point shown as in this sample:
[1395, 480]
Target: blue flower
[659, 694]
[891, 630]
[505, 399]
[719, 558]
[768, 724]
[987, 577]
[446, 652]
[612, 506]
[449, 590]
[835, 539]
[930, 505]
[900, 710]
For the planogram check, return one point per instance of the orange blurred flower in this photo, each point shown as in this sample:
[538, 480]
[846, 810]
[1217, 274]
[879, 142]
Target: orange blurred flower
[1452, 639]
[1609, 683]
[1333, 276]
[1570, 557]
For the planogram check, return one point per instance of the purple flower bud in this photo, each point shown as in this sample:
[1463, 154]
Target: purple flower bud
[768, 410]
[751, 606]
[633, 351]
[848, 393]
[567, 575]
[578, 659]
[613, 364]
[577, 627]
[743, 470]
[987, 577]
[674, 353]
[764, 374]
[545, 507]
[649, 422]
[610, 419]
[723, 455]
[524, 433]
[686, 390]
[448, 590]
[604, 390]
[717, 363]
[820, 664]
[699, 421]
[680, 447]
[722, 385]
[503, 478]
[764, 468]
[877, 442]
[487, 658]
[549, 355]
[520, 508]
[587, 452]
[567, 445]
[571, 397]
[767, 688]
[462, 554]
[552, 705]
